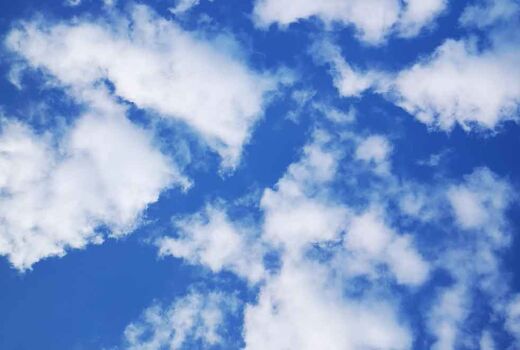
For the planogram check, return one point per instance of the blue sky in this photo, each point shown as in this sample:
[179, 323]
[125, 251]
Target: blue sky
[264, 174]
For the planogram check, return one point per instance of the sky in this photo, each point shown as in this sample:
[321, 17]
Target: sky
[260, 174]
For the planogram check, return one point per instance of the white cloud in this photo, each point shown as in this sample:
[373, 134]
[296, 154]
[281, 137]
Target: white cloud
[348, 80]
[512, 319]
[210, 239]
[435, 159]
[300, 296]
[197, 317]
[182, 6]
[461, 84]
[299, 309]
[417, 14]
[294, 217]
[473, 257]
[480, 202]
[373, 20]
[486, 341]
[103, 173]
[485, 13]
[375, 149]
[447, 316]
[336, 115]
[295, 221]
[369, 242]
[296, 301]
[368, 234]
[469, 211]
[72, 3]
[327, 247]
[158, 66]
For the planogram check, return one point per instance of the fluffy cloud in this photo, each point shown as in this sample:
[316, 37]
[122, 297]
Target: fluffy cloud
[156, 65]
[300, 309]
[343, 265]
[373, 20]
[461, 84]
[348, 80]
[293, 218]
[370, 243]
[102, 173]
[480, 202]
[195, 318]
[473, 258]
[210, 239]
[294, 303]
[448, 316]
[457, 84]
[300, 296]
[417, 14]
[485, 13]
[375, 149]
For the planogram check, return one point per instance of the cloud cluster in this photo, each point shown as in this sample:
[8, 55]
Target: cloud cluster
[344, 263]
[211, 239]
[158, 66]
[63, 192]
[462, 82]
[459, 84]
[300, 213]
[340, 252]
[375, 150]
[193, 319]
[406, 18]
[348, 80]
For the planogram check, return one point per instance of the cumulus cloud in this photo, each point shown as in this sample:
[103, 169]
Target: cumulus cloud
[297, 213]
[300, 309]
[196, 318]
[480, 202]
[58, 194]
[370, 243]
[156, 65]
[473, 257]
[373, 20]
[373, 249]
[460, 84]
[294, 217]
[448, 316]
[485, 13]
[343, 263]
[418, 14]
[348, 80]
[211, 239]
[375, 150]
